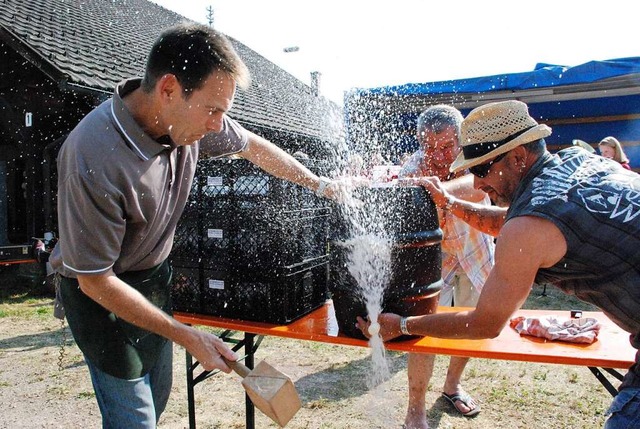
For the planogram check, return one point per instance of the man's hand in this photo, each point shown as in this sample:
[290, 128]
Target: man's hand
[341, 190]
[389, 326]
[433, 186]
[207, 349]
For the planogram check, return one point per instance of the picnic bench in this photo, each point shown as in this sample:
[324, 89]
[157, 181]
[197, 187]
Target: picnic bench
[611, 351]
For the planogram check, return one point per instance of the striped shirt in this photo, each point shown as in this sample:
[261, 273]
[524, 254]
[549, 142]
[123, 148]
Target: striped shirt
[466, 249]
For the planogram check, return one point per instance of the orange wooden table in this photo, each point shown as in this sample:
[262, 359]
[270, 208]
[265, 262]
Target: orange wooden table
[611, 350]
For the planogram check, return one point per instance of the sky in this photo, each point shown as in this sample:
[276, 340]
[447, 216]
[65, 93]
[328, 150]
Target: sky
[366, 44]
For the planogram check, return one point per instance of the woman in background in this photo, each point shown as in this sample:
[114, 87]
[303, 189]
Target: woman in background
[610, 147]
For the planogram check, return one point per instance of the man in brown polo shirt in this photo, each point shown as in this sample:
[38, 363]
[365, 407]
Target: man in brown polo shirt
[125, 173]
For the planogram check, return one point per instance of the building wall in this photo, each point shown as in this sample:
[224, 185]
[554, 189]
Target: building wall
[35, 113]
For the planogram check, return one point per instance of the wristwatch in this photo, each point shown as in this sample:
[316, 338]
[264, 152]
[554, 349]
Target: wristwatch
[403, 326]
[322, 186]
[449, 204]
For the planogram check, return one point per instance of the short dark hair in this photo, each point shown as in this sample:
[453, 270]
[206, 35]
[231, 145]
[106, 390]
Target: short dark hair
[191, 52]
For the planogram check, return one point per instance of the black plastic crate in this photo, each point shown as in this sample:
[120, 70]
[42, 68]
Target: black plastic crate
[250, 239]
[185, 289]
[186, 241]
[16, 252]
[239, 217]
[279, 297]
[268, 240]
[238, 184]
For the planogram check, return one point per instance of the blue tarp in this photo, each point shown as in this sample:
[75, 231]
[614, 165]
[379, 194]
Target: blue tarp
[544, 76]
[594, 112]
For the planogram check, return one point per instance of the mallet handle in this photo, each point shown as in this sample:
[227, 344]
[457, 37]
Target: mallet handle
[237, 366]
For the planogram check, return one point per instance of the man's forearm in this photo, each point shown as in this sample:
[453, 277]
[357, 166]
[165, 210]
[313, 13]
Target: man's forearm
[485, 218]
[461, 325]
[130, 305]
[460, 198]
[279, 163]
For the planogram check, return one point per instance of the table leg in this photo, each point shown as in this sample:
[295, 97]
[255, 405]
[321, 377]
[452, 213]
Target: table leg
[249, 352]
[190, 393]
[604, 380]
[250, 347]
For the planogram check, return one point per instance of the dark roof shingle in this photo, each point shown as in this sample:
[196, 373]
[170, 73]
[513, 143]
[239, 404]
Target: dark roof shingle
[98, 43]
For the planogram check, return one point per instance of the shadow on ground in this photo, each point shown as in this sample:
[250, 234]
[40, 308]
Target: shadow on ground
[348, 381]
[38, 340]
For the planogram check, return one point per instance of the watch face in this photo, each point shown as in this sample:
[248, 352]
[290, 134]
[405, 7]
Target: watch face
[449, 203]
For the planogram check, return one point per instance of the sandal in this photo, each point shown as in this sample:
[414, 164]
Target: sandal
[465, 399]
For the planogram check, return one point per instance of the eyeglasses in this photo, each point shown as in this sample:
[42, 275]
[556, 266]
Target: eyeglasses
[482, 170]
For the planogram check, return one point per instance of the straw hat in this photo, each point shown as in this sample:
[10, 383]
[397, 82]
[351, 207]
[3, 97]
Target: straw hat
[493, 129]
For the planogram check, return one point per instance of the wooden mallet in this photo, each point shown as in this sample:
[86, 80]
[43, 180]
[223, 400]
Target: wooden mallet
[271, 391]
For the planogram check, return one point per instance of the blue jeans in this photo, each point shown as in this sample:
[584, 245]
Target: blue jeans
[137, 403]
[624, 412]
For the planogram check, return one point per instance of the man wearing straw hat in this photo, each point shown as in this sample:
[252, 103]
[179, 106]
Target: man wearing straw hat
[572, 220]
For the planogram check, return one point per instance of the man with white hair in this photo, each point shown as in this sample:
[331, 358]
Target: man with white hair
[467, 258]
[572, 221]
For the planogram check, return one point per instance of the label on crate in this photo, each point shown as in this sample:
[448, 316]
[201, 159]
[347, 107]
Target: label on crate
[214, 180]
[216, 284]
[214, 233]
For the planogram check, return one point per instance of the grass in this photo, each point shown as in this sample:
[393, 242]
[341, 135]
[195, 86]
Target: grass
[552, 298]
[24, 294]
[32, 308]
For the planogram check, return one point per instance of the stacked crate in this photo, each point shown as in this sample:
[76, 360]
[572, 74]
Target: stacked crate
[250, 246]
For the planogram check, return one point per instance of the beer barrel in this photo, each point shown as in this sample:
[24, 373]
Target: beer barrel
[408, 219]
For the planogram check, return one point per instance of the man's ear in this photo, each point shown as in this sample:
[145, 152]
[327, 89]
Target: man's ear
[519, 155]
[168, 87]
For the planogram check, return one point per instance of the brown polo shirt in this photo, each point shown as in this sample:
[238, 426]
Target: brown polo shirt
[121, 193]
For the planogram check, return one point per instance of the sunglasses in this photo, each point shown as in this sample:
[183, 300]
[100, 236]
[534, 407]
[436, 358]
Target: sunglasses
[482, 170]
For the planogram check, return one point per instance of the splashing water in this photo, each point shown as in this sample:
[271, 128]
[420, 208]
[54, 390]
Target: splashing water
[369, 263]
[369, 246]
